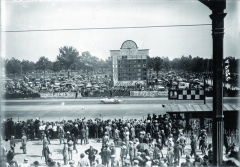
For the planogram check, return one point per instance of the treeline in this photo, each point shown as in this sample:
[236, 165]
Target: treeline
[189, 63]
[70, 59]
[67, 59]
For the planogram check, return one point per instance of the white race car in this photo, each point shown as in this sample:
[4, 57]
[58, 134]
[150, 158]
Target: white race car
[110, 101]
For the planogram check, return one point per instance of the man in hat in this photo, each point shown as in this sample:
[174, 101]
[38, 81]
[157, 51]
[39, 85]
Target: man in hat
[116, 136]
[65, 153]
[10, 154]
[202, 138]
[182, 142]
[205, 161]
[105, 139]
[127, 163]
[70, 149]
[198, 161]
[113, 152]
[91, 152]
[24, 143]
[83, 162]
[177, 152]
[210, 153]
[52, 164]
[131, 151]
[106, 155]
[60, 134]
[126, 136]
[114, 161]
[46, 152]
[74, 138]
[188, 163]
[12, 143]
[170, 156]
[123, 153]
[25, 163]
[136, 163]
[83, 135]
[36, 164]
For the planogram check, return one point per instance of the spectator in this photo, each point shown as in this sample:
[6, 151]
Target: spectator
[10, 155]
[60, 134]
[164, 164]
[36, 164]
[83, 162]
[24, 143]
[83, 135]
[198, 161]
[123, 153]
[65, 153]
[105, 139]
[193, 145]
[170, 156]
[91, 152]
[46, 152]
[113, 152]
[74, 142]
[182, 142]
[114, 161]
[205, 161]
[12, 143]
[188, 163]
[25, 163]
[177, 152]
[70, 149]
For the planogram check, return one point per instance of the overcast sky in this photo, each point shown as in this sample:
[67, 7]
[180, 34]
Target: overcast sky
[171, 42]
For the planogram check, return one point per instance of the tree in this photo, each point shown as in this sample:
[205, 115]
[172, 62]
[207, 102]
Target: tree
[43, 64]
[166, 62]
[68, 57]
[56, 66]
[27, 66]
[13, 66]
[157, 64]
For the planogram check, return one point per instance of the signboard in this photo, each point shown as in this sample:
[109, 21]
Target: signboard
[58, 94]
[186, 94]
[149, 93]
[129, 83]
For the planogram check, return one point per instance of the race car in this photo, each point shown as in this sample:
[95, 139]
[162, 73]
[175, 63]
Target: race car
[110, 101]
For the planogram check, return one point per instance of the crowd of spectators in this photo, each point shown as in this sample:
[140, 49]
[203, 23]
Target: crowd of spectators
[101, 85]
[141, 141]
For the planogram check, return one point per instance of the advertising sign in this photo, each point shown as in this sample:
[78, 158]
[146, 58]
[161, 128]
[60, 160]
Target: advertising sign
[149, 93]
[59, 94]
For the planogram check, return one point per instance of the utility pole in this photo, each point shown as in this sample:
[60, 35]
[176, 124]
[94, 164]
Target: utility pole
[217, 16]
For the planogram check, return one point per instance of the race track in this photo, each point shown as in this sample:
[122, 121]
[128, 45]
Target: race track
[59, 109]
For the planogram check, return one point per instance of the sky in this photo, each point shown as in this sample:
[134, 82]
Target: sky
[172, 42]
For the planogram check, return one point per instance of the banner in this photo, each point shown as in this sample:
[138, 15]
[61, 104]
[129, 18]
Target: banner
[59, 94]
[149, 93]
[129, 83]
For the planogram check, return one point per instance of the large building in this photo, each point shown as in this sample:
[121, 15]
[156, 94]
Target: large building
[129, 64]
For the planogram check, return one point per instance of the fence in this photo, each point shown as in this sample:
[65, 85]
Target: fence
[21, 95]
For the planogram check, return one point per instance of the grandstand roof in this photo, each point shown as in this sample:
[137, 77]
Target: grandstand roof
[182, 108]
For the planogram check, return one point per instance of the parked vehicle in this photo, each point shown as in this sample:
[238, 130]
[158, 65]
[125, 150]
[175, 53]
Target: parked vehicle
[183, 85]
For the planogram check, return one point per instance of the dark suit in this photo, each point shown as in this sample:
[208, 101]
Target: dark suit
[177, 152]
[91, 154]
[83, 136]
[193, 147]
[106, 155]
